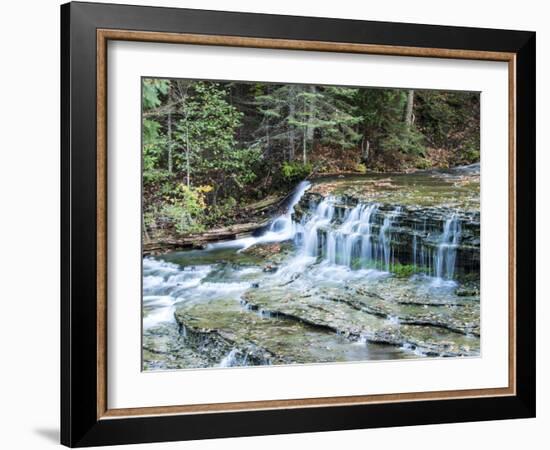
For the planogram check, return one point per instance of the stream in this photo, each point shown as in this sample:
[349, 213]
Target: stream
[356, 268]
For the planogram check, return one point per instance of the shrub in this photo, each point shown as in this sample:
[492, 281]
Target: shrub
[295, 171]
[184, 208]
[181, 219]
[361, 168]
[422, 163]
[471, 155]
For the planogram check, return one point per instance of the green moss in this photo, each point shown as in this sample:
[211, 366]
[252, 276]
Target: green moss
[405, 270]
[357, 264]
[398, 269]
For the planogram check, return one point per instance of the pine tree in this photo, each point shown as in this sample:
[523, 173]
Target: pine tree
[295, 115]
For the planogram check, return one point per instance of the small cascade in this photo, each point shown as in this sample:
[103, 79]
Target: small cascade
[282, 228]
[351, 241]
[322, 216]
[384, 239]
[414, 249]
[233, 359]
[161, 281]
[284, 225]
[446, 251]
[362, 239]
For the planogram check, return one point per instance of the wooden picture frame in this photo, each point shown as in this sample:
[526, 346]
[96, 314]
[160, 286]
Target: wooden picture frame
[86, 418]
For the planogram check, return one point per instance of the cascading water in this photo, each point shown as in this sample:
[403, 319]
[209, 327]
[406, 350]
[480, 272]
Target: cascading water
[384, 239]
[234, 358]
[361, 237]
[359, 241]
[282, 228]
[445, 257]
[322, 217]
[365, 228]
[284, 225]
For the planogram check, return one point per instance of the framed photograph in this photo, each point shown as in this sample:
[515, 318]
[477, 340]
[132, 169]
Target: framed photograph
[276, 224]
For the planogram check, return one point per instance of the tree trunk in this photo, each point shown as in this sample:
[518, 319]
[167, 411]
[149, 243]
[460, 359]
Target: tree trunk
[170, 165]
[365, 147]
[409, 108]
[267, 144]
[309, 128]
[184, 88]
[215, 194]
[145, 234]
[311, 116]
[304, 150]
[187, 149]
[291, 114]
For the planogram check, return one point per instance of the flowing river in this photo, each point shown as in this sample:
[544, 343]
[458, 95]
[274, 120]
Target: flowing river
[354, 269]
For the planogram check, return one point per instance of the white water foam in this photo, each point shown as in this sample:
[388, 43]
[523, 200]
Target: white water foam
[162, 310]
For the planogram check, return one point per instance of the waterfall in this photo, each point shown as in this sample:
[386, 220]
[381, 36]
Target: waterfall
[361, 237]
[384, 239]
[322, 216]
[282, 228]
[446, 250]
[284, 225]
[414, 248]
[365, 229]
[346, 244]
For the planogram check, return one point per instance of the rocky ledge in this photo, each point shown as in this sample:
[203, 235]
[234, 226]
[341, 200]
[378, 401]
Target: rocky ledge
[301, 321]
[414, 233]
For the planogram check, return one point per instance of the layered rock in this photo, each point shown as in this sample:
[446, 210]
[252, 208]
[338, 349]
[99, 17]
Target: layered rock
[396, 235]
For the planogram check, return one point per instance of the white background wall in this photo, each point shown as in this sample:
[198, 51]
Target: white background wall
[29, 223]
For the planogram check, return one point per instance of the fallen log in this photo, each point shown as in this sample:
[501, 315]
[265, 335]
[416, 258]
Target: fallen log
[200, 240]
